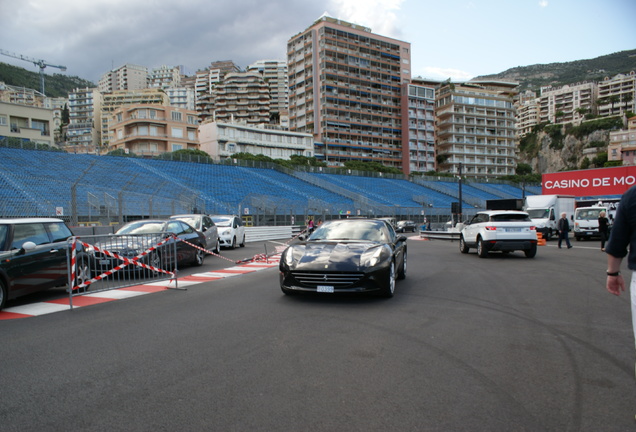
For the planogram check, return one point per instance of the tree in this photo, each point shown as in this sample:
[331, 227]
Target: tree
[304, 160]
[121, 153]
[187, 155]
[600, 160]
[370, 166]
[585, 164]
[523, 169]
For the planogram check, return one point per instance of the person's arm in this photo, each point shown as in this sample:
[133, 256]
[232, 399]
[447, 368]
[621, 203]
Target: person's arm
[614, 284]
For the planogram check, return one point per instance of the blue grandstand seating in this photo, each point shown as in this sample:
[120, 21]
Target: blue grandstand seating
[36, 183]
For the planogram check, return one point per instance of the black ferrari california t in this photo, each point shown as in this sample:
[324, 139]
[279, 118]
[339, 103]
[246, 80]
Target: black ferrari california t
[343, 256]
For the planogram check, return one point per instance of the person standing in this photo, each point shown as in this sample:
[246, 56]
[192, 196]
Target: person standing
[603, 228]
[623, 234]
[564, 230]
[310, 224]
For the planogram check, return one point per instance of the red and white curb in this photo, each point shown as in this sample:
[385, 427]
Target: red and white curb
[62, 304]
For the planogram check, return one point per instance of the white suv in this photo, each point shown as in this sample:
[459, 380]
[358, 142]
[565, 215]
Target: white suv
[499, 230]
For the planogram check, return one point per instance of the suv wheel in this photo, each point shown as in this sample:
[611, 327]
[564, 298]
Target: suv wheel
[530, 253]
[482, 251]
[462, 245]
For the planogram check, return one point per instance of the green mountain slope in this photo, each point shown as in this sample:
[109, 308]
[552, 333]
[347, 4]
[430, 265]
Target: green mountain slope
[557, 74]
[56, 85]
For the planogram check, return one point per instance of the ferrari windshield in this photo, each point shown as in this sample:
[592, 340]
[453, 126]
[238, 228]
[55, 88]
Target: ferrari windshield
[373, 231]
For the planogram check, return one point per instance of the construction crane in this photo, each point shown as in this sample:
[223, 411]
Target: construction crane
[41, 63]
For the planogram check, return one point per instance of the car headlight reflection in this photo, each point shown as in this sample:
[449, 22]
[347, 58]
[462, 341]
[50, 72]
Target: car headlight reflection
[375, 256]
[292, 255]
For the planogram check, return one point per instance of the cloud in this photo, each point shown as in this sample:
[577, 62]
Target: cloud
[92, 37]
[543, 3]
[440, 73]
[382, 16]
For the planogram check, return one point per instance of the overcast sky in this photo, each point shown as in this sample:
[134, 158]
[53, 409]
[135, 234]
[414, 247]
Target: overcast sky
[457, 39]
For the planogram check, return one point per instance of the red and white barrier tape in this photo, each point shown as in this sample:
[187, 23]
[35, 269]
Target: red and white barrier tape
[126, 261]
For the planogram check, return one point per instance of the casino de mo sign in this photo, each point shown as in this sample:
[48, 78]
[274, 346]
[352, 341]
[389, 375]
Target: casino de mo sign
[593, 182]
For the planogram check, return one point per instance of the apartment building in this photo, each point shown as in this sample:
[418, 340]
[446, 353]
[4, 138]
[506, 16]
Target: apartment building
[345, 86]
[418, 126]
[568, 103]
[221, 140]
[181, 97]
[26, 122]
[84, 129]
[126, 77]
[204, 83]
[150, 130]
[617, 95]
[476, 128]
[29, 97]
[274, 73]
[241, 97]
[165, 77]
[114, 100]
[527, 106]
[622, 145]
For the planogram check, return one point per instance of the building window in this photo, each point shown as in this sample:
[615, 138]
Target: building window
[176, 116]
[177, 132]
[176, 147]
[3, 120]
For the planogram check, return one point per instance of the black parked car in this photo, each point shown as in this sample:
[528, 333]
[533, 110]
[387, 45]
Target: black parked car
[345, 255]
[32, 256]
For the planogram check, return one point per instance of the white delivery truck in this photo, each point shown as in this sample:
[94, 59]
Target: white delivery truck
[586, 216]
[545, 211]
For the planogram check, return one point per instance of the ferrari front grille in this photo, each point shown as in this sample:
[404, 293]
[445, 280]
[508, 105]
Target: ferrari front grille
[336, 279]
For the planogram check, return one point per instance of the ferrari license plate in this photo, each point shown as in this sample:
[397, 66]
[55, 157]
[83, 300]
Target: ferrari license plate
[325, 288]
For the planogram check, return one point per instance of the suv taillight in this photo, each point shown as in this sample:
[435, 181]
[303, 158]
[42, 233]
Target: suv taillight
[491, 228]
[532, 228]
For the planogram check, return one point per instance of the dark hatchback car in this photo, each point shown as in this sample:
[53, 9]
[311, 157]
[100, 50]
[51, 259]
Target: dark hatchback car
[32, 256]
[345, 256]
[136, 237]
[406, 225]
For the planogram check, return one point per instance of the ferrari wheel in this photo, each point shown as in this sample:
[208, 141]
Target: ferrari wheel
[389, 289]
[402, 273]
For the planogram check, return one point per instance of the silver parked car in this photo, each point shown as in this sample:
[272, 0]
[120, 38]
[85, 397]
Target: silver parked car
[204, 224]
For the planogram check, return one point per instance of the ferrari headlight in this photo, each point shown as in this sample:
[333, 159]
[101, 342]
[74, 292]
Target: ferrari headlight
[291, 256]
[373, 257]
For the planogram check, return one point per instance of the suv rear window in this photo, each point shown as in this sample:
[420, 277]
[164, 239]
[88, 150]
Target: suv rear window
[509, 218]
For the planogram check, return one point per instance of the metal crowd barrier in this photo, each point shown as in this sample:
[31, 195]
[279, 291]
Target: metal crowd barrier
[107, 262]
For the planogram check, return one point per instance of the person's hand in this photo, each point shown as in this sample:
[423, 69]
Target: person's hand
[615, 284]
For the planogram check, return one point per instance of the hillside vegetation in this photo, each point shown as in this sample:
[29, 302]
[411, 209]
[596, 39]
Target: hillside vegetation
[557, 74]
[56, 85]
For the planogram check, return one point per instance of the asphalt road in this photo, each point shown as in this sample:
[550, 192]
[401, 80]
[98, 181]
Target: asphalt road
[467, 344]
